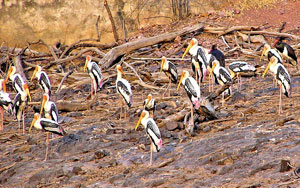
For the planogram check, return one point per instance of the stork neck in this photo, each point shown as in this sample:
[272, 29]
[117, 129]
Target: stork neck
[119, 75]
[193, 50]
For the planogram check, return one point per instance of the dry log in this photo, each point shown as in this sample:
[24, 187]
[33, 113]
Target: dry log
[117, 52]
[295, 37]
[175, 117]
[71, 106]
[62, 81]
[253, 38]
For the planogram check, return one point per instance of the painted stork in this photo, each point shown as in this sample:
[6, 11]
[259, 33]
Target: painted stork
[269, 52]
[150, 104]
[47, 125]
[16, 78]
[199, 59]
[20, 101]
[95, 74]
[170, 70]
[124, 89]
[282, 76]
[286, 51]
[152, 131]
[192, 89]
[218, 54]
[43, 79]
[237, 67]
[222, 76]
[50, 108]
[5, 102]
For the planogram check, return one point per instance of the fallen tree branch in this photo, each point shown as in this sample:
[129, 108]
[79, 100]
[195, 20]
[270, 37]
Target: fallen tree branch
[62, 81]
[115, 53]
[295, 37]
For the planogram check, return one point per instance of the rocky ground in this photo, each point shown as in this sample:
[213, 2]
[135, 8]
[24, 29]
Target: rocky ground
[245, 147]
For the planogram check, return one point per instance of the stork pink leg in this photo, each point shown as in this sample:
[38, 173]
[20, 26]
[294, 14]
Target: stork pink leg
[121, 107]
[92, 87]
[1, 111]
[280, 101]
[47, 147]
[23, 119]
[169, 87]
[150, 164]
[192, 115]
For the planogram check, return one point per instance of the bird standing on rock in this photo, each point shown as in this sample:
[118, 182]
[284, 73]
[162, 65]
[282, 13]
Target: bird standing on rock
[170, 70]
[193, 91]
[124, 89]
[283, 78]
[199, 59]
[150, 104]
[95, 74]
[5, 101]
[152, 131]
[20, 101]
[48, 126]
[43, 79]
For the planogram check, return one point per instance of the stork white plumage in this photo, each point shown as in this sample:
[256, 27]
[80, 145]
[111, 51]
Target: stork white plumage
[47, 125]
[43, 79]
[16, 78]
[222, 76]
[282, 77]
[150, 104]
[49, 108]
[5, 101]
[20, 102]
[193, 91]
[95, 74]
[199, 56]
[124, 89]
[152, 131]
[170, 70]
[238, 67]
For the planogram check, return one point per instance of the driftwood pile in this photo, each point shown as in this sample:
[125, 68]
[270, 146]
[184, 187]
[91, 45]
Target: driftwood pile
[64, 61]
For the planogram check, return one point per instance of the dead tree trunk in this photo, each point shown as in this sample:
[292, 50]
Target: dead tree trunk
[112, 21]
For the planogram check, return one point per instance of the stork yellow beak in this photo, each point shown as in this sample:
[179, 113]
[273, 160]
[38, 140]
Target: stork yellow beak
[262, 54]
[188, 48]
[33, 75]
[163, 60]
[181, 78]
[139, 122]
[123, 73]
[270, 63]
[86, 62]
[43, 104]
[4, 85]
[32, 123]
[8, 74]
[212, 69]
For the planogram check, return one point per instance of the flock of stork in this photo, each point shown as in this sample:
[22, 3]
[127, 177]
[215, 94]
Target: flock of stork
[204, 61]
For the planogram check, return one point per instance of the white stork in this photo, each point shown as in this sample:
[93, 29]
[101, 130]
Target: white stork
[170, 70]
[193, 91]
[43, 79]
[5, 102]
[50, 108]
[16, 78]
[199, 57]
[222, 76]
[124, 89]
[150, 104]
[237, 67]
[152, 131]
[95, 74]
[47, 125]
[20, 101]
[283, 78]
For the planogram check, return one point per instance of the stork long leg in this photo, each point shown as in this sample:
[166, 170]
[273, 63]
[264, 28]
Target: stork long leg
[150, 164]
[47, 147]
[23, 119]
[121, 107]
[125, 110]
[1, 111]
[169, 87]
[192, 115]
[92, 87]
[223, 99]
[280, 101]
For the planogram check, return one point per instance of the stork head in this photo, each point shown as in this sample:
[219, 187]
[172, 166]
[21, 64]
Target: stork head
[25, 86]
[183, 76]
[192, 43]
[149, 97]
[266, 49]
[11, 71]
[120, 70]
[36, 70]
[214, 64]
[272, 61]
[45, 99]
[35, 118]
[87, 60]
[163, 61]
[144, 115]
